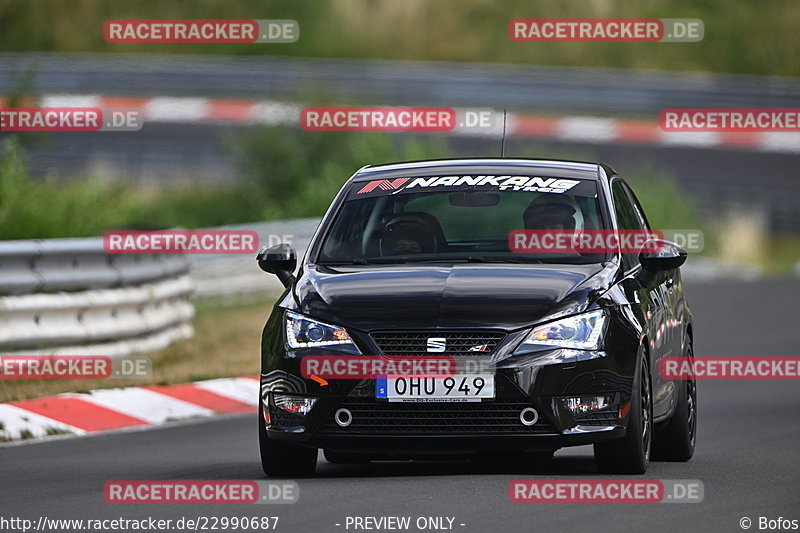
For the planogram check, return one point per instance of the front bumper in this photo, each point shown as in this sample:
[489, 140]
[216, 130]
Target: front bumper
[534, 380]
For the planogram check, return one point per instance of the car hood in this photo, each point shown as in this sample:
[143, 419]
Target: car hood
[504, 296]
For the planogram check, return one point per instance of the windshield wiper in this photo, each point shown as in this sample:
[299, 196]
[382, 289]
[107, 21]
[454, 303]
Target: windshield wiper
[404, 260]
[363, 261]
[484, 259]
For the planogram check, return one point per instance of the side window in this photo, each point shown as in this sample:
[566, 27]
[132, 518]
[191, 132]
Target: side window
[627, 218]
[347, 234]
[638, 208]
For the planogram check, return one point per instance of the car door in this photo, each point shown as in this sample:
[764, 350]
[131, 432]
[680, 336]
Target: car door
[653, 300]
[671, 289]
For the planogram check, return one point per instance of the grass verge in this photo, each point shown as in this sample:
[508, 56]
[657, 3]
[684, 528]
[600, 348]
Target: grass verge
[740, 36]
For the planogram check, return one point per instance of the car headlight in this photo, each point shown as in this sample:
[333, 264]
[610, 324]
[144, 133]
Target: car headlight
[580, 332]
[303, 332]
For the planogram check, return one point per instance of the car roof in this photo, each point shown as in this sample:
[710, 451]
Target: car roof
[487, 166]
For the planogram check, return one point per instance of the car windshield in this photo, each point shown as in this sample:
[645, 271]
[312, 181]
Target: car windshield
[395, 221]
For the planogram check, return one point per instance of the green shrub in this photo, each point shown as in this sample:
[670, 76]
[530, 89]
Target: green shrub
[284, 173]
[666, 206]
[48, 208]
[295, 173]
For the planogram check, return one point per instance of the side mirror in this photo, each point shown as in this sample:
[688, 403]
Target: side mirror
[280, 260]
[666, 255]
[658, 256]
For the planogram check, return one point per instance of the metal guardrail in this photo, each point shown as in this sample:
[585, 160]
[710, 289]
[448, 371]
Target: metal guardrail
[239, 275]
[49, 265]
[68, 296]
[519, 87]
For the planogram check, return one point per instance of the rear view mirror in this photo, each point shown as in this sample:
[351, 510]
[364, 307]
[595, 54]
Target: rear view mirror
[474, 199]
[280, 260]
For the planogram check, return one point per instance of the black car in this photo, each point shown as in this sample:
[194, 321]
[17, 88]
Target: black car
[413, 259]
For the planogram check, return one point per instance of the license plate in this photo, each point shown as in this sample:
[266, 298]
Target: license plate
[457, 388]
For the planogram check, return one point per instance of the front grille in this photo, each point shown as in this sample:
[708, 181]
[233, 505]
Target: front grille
[379, 418]
[457, 342]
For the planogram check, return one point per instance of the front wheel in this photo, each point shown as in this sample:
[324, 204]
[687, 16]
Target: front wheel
[631, 453]
[675, 441]
[284, 460]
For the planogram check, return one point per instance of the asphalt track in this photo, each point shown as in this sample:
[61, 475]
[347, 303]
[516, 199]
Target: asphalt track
[747, 456]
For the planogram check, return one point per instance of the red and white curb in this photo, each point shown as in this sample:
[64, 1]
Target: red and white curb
[131, 407]
[588, 129]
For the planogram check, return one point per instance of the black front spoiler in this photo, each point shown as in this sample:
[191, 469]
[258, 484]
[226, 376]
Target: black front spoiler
[410, 445]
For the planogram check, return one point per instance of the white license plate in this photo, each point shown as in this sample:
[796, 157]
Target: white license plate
[456, 388]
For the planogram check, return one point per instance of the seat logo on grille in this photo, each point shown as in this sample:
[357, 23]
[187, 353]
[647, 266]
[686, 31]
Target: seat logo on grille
[436, 344]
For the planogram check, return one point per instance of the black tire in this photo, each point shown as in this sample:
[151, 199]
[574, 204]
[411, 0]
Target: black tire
[284, 460]
[631, 453]
[676, 438]
[344, 457]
